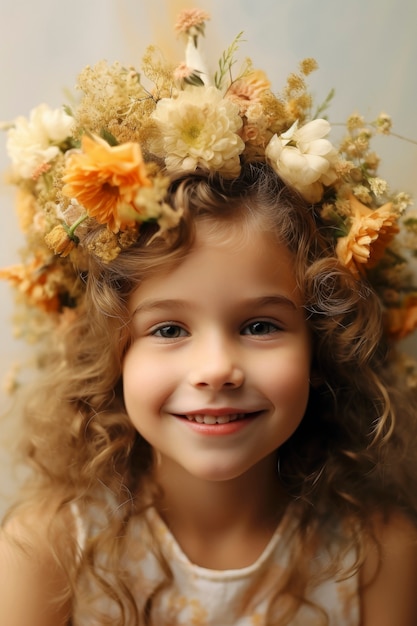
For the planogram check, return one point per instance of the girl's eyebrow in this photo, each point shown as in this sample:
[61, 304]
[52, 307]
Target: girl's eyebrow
[163, 304]
[160, 304]
[276, 300]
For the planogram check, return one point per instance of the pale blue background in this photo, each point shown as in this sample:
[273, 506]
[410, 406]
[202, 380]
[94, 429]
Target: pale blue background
[366, 50]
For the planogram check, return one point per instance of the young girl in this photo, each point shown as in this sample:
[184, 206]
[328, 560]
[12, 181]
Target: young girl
[221, 435]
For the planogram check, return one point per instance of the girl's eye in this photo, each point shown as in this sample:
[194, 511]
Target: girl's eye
[170, 331]
[260, 328]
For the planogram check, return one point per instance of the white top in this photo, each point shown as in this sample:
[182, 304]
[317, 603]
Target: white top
[204, 597]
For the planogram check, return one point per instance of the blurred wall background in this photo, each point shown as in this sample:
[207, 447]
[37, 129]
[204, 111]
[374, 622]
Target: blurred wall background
[366, 50]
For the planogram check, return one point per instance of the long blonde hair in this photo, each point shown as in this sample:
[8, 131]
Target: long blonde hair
[83, 447]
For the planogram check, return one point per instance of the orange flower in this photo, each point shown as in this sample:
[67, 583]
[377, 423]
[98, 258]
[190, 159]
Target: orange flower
[248, 89]
[37, 282]
[104, 179]
[370, 233]
[401, 321]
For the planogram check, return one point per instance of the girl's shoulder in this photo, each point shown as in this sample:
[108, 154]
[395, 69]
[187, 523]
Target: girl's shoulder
[389, 573]
[32, 584]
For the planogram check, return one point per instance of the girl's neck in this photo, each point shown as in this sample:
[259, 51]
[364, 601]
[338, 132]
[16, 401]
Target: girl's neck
[226, 524]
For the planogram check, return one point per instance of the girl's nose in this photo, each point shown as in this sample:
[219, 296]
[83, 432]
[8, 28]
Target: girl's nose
[216, 367]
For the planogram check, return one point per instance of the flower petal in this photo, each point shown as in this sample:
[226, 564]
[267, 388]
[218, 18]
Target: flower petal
[316, 129]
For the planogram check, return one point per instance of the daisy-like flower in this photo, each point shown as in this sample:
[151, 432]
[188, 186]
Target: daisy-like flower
[304, 159]
[34, 142]
[198, 128]
[104, 179]
[370, 233]
[248, 89]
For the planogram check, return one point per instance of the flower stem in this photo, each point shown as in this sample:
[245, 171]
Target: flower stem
[70, 230]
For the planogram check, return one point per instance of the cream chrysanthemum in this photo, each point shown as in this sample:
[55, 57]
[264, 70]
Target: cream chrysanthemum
[198, 128]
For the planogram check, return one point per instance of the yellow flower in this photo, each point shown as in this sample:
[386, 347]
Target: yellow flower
[60, 241]
[104, 244]
[308, 65]
[104, 179]
[369, 235]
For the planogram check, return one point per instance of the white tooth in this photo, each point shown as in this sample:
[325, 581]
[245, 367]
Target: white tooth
[224, 419]
[209, 419]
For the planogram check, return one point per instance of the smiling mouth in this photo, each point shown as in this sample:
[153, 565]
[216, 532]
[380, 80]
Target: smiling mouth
[218, 419]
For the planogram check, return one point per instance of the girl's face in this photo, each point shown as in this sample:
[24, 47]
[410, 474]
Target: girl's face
[217, 376]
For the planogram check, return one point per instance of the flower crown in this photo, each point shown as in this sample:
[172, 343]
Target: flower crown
[89, 176]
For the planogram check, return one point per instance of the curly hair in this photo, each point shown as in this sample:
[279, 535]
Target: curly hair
[347, 458]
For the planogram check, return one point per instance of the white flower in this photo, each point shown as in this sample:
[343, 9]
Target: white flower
[401, 201]
[378, 186]
[198, 128]
[303, 159]
[35, 141]
[194, 59]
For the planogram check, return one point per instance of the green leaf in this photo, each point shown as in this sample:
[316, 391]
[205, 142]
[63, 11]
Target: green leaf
[324, 105]
[194, 79]
[107, 136]
[227, 60]
[68, 110]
